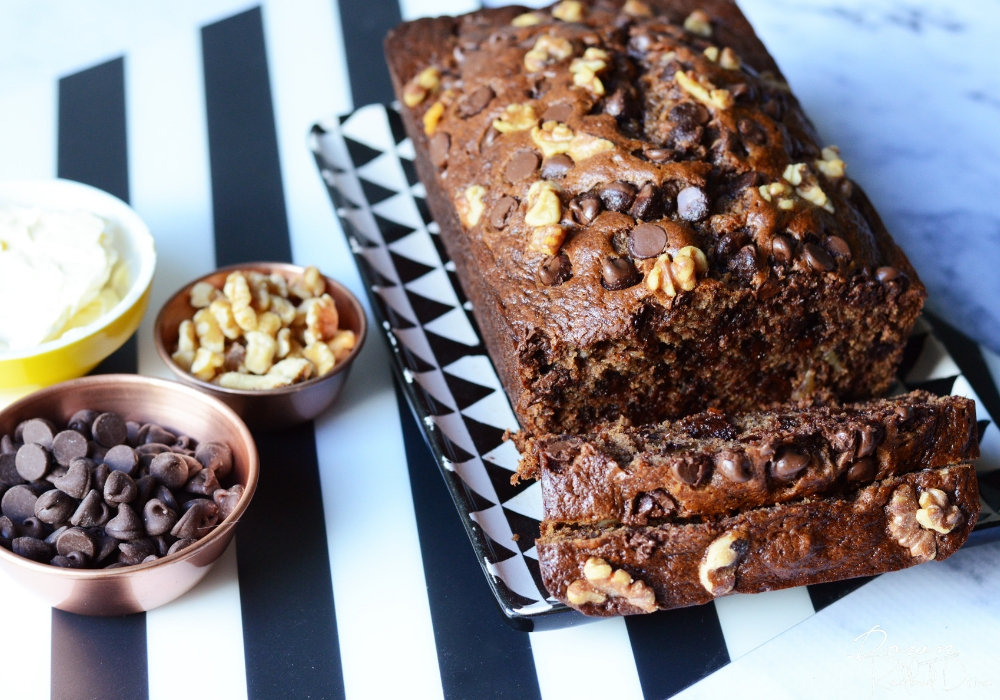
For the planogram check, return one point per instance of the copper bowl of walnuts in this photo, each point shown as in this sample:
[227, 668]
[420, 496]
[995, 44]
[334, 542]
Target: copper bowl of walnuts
[273, 341]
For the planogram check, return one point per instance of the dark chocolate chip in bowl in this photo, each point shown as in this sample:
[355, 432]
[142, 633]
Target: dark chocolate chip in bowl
[501, 211]
[476, 102]
[180, 544]
[122, 458]
[169, 469]
[198, 521]
[8, 530]
[585, 208]
[648, 204]
[782, 250]
[98, 476]
[438, 148]
[560, 112]
[166, 495]
[692, 204]
[104, 544]
[522, 165]
[733, 465]
[555, 270]
[109, 430]
[691, 471]
[38, 431]
[617, 196]
[158, 517]
[8, 470]
[838, 246]
[119, 488]
[76, 481]
[618, 273]
[32, 461]
[133, 428]
[215, 456]
[75, 539]
[32, 527]
[54, 507]
[862, 471]
[7, 445]
[32, 548]
[132, 553]
[126, 525]
[160, 435]
[817, 258]
[91, 511]
[18, 503]
[887, 274]
[95, 451]
[67, 446]
[203, 483]
[647, 241]
[153, 448]
[752, 132]
[227, 500]
[689, 114]
[72, 560]
[81, 421]
[789, 464]
[556, 167]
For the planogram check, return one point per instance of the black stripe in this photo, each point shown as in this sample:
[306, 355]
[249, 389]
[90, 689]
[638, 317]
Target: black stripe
[98, 657]
[676, 648]
[289, 621]
[93, 149]
[969, 358]
[479, 654]
[826, 594]
[364, 26]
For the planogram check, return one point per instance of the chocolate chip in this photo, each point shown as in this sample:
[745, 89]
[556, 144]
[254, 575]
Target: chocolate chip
[122, 458]
[18, 503]
[163, 543]
[91, 511]
[38, 431]
[169, 469]
[75, 539]
[817, 258]
[782, 250]
[8, 470]
[689, 114]
[559, 112]
[690, 471]
[109, 430]
[555, 270]
[585, 208]
[158, 517]
[227, 500]
[104, 544]
[731, 242]
[522, 165]
[32, 461]
[615, 103]
[789, 464]
[99, 476]
[32, 548]
[8, 530]
[838, 246]
[73, 560]
[646, 241]
[161, 435]
[198, 521]
[81, 422]
[658, 155]
[181, 544]
[743, 93]
[734, 466]
[903, 412]
[648, 204]
[126, 525]
[67, 446]
[745, 263]
[476, 102]
[32, 527]
[887, 274]
[501, 211]
[870, 437]
[54, 507]
[692, 204]
[144, 488]
[685, 138]
[203, 483]
[654, 504]
[133, 428]
[618, 273]
[752, 132]
[152, 448]
[7, 445]
[132, 553]
[438, 148]
[863, 470]
[617, 196]
[556, 167]
[119, 488]
[844, 441]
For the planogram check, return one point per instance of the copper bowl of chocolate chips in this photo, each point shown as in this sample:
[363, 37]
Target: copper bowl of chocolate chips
[91, 467]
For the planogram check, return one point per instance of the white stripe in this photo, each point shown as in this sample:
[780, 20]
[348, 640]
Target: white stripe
[750, 620]
[209, 617]
[383, 615]
[562, 666]
[993, 363]
[169, 175]
[414, 9]
[26, 662]
[28, 133]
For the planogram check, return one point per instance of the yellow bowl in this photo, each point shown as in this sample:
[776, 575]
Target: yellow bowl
[79, 350]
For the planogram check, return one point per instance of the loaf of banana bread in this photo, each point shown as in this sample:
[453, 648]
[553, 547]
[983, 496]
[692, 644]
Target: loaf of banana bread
[644, 219]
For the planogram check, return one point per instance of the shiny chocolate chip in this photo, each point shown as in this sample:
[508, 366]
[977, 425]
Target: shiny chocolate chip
[556, 167]
[169, 469]
[646, 241]
[522, 165]
[734, 466]
[887, 274]
[615, 103]
[122, 458]
[838, 247]
[559, 112]
[555, 270]
[862, 471]
[692, 204]
[618, 273]
[198, 521]
[32, 461]
[903, 412]
[132, 553]
[38, 431]
[67, 446]
[119, 488]
[689, 114]
[204, 483]
[109, 430]
[870, 438]
[658, 155]
[731, 242]
[32, 548]
[227, 500]
[647, 204]
[752, 132]
[75, 539]
[501, 211]
[817, 258]
[91, 511]
[215, 456]
[54, 507]
[82, 420]
[745, 263]
[617, 196]
[161, 435]
[782, 249]
[844, 440]
[158, 517]
[585, 208]
[691, 471]
[438, 148]
[789, 464]
[126, 525]
[476, 102]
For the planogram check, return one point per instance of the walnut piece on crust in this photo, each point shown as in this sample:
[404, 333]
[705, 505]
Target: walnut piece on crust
[601, 582]
[904, 527]
[718, 568]
[937, 513]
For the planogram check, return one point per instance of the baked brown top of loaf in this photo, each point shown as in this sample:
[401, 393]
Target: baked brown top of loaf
[888, 525]
[606, 157]
[711, 464]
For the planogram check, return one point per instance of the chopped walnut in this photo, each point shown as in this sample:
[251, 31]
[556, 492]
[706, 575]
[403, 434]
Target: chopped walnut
[568, 11]
[585, 70]
[786, 204]
[698, 23]
[261, 349]
[269, 323]
[937, 513]
[424, 83]
[432, 117]
[309, 284]
[516, 117]
[547, 239]
[904, 527]
[342, 344]
[207, 329]
[813, 193]
[729, 60]
[320, 355]
[528, 19]
[246, 318]
[237, 290]
[470, 205]
[831, 165]
[712, 53]
[547, 50]
[658, 279]
[671, 275]
[283, 373]
[552, 138]
[206, 363]
[601, 582]
[718, 568]
[634, 8]
[794, 173]
[708, 95]
[799, 175]
[203, 294]
[322, 319]
[187, 345]
[544, 206]
[585, 146]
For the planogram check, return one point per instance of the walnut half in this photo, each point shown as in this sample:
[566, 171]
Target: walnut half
[601, 582]
[914, 527]
[718, 567]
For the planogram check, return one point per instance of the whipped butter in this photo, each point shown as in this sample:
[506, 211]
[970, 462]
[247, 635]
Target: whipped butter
[58, 270]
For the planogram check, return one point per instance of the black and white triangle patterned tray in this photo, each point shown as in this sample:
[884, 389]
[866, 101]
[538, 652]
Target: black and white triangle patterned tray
[367, 163]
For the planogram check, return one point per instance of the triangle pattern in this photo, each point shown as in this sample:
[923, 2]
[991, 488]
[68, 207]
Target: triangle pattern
[408, 269]
[485, 437]
[525, 528]
[501, 484]
[447, 351]
[465, 392]
[360, 153]
[396, 125]
[409, 171]
[426, 309]
[391, 231]
[938, 387]
[375, 193]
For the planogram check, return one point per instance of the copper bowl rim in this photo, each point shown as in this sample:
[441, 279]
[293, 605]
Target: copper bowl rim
[189, 378]
[253, 470]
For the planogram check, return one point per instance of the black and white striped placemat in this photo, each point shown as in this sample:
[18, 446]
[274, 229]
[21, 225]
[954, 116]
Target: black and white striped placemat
[351, 575]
